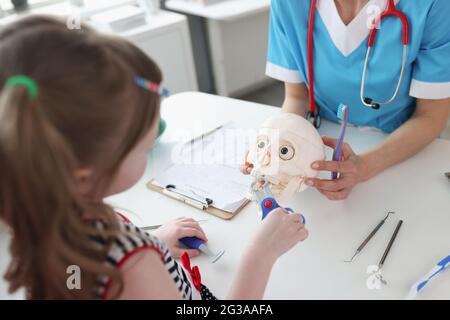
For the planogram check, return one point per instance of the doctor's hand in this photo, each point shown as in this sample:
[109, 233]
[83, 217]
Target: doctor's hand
[351, 169]
[246, 168]
[171, 232]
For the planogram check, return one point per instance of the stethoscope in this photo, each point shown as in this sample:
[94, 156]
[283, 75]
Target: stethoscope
[391, 11]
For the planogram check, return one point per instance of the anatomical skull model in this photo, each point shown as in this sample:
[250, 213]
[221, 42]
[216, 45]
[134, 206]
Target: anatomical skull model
[286, 146]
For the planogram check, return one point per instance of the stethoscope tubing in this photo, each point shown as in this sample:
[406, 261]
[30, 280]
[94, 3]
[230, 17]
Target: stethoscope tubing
[391, 11]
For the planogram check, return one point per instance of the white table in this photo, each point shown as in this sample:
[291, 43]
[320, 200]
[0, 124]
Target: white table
[415, 189]
[236, 32]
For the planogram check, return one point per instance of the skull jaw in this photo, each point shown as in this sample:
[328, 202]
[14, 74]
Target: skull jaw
[282, 186]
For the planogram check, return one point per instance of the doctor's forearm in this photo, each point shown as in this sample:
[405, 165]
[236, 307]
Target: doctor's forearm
[292, 105]
[418, 132]
[296, 99]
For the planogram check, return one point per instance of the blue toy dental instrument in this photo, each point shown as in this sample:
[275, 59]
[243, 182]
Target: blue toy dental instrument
[196, 243]
[266, 198]
[420, 285]
[342, 114]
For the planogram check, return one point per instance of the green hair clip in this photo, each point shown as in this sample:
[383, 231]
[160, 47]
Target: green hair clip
[24, 81]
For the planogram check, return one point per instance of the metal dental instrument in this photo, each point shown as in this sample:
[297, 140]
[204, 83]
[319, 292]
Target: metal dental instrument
[366, 241]
[388, 249]
[157, 226]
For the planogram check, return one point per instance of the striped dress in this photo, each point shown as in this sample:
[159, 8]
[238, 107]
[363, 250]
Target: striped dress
[132, 240]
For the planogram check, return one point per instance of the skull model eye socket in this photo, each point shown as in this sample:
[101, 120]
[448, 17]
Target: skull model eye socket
[287, 152]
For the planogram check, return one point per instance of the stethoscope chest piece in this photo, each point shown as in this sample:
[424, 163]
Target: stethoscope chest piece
[369, 102]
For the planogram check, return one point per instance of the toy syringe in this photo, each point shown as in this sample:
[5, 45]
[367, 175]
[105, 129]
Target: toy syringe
[199, 244]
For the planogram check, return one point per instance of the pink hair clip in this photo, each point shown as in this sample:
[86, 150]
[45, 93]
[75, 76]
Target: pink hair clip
[151, 86]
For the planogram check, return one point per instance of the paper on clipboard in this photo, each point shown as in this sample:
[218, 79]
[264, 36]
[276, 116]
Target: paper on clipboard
[221, 182]
[226, 186]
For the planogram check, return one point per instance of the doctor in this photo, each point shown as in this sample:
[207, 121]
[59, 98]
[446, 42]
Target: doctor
[416, 115]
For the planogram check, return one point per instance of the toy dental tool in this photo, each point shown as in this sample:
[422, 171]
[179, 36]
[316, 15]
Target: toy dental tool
[369, 237]
[196, 243]
[261, 189]
[388, 249]
[420, 285]
[343, 115]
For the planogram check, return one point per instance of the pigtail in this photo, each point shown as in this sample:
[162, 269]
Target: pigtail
[84, 111]
[39, 201]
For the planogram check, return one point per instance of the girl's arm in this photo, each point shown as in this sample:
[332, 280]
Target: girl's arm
[146, 278]
[277, 234]
[296, 99]
[252, 276]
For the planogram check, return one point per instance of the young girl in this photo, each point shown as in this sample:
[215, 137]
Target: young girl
[75, 128]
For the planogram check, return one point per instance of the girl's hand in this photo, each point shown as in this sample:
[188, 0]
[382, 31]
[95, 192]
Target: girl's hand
[278, 233]
[171, 232]
[352, 170]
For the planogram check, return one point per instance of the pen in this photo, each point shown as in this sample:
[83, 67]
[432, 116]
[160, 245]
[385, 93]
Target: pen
[196, 204]
[205, 134]
[192, 202]
[170, 189]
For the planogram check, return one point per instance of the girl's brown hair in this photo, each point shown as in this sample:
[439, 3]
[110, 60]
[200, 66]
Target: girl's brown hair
[88, 114]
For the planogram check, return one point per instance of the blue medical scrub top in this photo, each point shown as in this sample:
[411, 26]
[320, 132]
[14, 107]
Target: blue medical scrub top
[339, 53]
